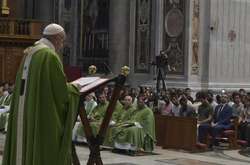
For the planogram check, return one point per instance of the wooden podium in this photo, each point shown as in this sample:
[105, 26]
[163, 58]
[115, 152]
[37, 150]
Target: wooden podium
[176, 132]
[94, 142]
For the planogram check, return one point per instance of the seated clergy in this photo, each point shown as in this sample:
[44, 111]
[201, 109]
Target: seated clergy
[138, 132]
[127, 110]
[96, 116]
[126, 114]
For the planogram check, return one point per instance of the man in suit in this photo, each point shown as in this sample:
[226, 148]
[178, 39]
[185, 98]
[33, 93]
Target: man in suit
[221, 117]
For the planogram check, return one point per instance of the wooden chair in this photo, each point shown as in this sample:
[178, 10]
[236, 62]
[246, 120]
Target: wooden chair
[232, 134]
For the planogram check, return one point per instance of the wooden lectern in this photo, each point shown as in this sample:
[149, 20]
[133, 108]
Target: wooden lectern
[90, 84]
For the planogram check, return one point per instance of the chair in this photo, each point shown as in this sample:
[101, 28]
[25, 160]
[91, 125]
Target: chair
[229, 136]
[232, 134]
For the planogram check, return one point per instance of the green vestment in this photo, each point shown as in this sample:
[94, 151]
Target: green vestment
[140, 137]
[97, 116]
[50, 109]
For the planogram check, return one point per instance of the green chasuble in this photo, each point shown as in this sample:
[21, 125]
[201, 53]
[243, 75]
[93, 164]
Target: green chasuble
[50, 109]
[140, 137]
[126, 114]
[97, 116]
[99, 111]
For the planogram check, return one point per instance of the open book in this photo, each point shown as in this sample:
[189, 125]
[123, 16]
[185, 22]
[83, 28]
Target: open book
[89, 83]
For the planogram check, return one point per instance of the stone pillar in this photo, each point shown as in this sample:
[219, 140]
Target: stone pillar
[119, 34]
[204, 42]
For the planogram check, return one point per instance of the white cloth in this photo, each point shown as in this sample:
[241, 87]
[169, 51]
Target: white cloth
[3, 110]
[125, 146]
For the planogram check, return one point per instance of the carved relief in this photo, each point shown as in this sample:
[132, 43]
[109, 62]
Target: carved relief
[195, 36]
[174, 22]
[143, 36]
[174, 36]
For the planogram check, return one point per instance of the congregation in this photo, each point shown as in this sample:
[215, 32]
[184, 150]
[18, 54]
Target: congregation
[132, 127]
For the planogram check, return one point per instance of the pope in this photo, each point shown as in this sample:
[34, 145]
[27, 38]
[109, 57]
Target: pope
[44, 106]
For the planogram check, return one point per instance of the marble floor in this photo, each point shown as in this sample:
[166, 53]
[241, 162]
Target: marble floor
[171, 157]
[165, 157]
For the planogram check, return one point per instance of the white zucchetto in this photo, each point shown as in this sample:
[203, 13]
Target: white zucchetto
[52, 29]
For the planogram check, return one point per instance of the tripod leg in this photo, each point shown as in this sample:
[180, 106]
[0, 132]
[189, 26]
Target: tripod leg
[158, 80]
[163, 83]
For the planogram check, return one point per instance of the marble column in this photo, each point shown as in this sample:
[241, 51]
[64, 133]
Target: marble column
[119, 34]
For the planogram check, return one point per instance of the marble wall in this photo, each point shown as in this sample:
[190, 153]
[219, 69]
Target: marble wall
[229, 49]
[220, 28]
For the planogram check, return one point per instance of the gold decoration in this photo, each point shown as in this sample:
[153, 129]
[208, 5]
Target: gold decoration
[92, 69]
[5, 8]
[125, 71]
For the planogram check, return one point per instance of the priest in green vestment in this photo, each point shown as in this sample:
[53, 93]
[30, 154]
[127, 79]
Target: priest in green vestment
[138, 132]
[97, 115]
[126, 114]
[43, 107]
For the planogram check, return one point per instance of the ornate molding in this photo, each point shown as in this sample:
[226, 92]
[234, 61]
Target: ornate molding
[174, 35]
[143, 36]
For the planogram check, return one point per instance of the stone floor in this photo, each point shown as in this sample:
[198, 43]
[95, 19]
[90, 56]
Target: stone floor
[165, 157]
[171, 157]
